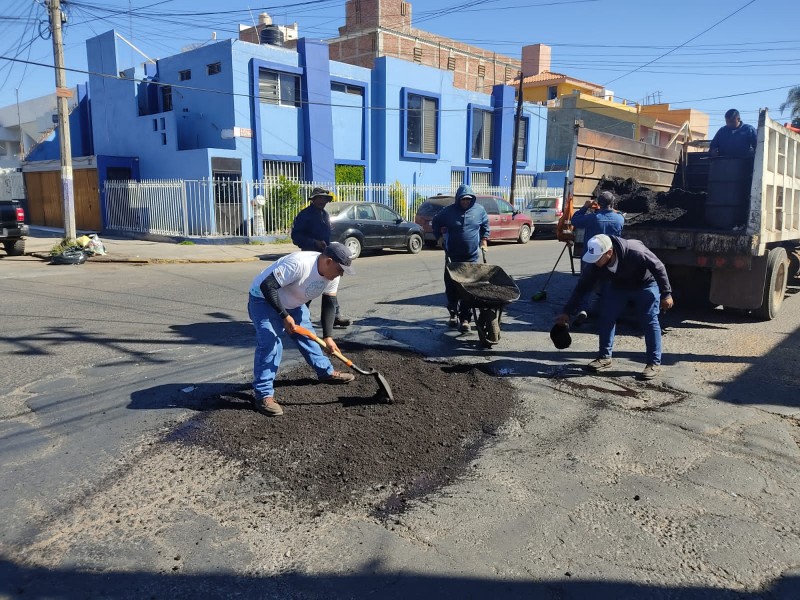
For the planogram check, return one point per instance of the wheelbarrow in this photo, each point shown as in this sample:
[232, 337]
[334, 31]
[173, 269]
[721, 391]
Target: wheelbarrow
[486, 289]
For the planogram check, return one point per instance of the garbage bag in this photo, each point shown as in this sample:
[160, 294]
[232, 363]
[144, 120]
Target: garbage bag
[72, 256]
[95, 245]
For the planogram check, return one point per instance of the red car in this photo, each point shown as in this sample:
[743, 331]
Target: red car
[505, 223]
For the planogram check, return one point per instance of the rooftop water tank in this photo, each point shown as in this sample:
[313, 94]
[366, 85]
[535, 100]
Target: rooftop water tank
[272, 35]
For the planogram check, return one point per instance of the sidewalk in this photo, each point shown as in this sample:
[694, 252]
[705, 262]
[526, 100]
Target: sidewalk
[41, 240]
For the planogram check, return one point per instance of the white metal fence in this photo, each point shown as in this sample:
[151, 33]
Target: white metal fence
[232, 208]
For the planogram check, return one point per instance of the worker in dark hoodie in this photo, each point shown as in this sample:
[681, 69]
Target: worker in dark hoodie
[463, 228]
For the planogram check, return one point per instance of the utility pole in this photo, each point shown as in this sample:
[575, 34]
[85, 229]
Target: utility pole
[516, 141]
[63, 93]
[21, 138]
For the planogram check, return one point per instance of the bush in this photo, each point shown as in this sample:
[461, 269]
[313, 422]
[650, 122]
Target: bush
[349, 174]
[397, 197]
[286, 203]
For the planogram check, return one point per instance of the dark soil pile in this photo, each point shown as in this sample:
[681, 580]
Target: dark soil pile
[341, 444]
[490, 293]
[646, 208]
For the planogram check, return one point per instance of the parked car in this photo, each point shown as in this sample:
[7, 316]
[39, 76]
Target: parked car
[505, 223]
[12, 227]
[545, 211]
[372, 226]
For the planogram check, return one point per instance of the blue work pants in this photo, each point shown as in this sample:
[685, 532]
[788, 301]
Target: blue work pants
[269, 345]
[646, 302]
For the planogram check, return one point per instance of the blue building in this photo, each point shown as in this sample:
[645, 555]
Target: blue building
[252, 110]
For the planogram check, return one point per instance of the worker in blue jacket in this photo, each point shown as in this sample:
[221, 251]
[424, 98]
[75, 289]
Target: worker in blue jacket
[311, 232]
[735, 139]
[596, 217]
[464, 228]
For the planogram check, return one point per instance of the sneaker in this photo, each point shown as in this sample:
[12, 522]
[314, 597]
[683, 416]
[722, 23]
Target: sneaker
[599, 364]
[465, 327]
[341, 321]
[268, 406]
[338, 377]
[452, 322]
[651, 371]
[580, 318]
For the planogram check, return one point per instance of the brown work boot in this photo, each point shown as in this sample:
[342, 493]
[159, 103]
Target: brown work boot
[268, 406]
[342, 322]
[337, 377]
[651, 371]
[599, 364]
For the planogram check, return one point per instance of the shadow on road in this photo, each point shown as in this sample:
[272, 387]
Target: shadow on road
[34, 582]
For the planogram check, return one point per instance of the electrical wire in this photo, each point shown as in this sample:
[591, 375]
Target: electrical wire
[738, 10]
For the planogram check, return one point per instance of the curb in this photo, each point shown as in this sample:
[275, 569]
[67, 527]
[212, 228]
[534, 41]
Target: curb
[154, 261]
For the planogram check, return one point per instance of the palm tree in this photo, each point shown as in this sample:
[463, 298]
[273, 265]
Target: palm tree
[793, 104]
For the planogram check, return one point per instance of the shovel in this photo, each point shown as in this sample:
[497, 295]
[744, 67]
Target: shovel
[384, 389]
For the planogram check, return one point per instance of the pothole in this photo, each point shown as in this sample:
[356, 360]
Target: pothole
[337, 445]
[630, 395]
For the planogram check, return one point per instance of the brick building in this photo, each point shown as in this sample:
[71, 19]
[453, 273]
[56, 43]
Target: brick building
[375, 28]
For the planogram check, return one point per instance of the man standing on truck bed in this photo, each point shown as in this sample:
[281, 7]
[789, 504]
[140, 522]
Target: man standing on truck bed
[736, 139]
[632, 273]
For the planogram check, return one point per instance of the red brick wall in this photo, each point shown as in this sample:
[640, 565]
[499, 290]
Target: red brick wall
[359, 50]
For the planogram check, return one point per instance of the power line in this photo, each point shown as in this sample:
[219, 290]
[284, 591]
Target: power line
[178, 86]
[681, 45]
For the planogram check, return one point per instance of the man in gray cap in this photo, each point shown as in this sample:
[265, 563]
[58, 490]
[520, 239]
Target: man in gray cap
[277, 304]
[311, 231]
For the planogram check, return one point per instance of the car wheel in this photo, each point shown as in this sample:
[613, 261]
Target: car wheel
[414, 244]
[524, 234]
[354, 246]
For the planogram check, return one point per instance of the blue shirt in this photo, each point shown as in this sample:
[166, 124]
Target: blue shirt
[739, 142]
[606, 221]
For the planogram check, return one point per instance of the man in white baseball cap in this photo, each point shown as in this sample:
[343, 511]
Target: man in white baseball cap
[632, 274]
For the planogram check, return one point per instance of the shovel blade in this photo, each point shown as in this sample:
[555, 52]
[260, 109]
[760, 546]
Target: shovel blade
[384, 389]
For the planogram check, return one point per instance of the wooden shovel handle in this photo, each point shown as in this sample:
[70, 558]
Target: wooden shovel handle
[313, 336]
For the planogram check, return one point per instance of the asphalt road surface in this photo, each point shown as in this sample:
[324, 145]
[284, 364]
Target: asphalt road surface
[598, 487]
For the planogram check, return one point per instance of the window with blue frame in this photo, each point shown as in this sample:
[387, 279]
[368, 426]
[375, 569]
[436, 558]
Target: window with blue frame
[278, 88]
[481, 134]
[522, 140]
[422, 124]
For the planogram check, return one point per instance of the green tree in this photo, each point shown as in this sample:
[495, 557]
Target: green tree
[793, 104]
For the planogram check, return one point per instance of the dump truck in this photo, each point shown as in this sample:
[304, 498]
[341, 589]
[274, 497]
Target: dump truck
[741, 247]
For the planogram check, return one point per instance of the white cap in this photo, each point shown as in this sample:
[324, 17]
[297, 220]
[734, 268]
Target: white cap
[596, 247]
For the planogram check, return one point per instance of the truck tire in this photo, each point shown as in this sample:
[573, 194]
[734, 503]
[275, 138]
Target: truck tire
[775, 285]
[15, 247]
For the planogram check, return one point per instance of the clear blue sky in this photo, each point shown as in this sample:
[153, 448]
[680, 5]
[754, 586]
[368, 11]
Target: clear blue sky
[684, 52]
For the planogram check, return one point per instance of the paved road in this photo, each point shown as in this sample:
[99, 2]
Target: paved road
[600, 487]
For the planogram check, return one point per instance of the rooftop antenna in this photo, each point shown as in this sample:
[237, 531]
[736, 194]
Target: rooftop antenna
[134, 47]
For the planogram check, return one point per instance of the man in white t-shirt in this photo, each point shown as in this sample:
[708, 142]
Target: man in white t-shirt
[278, 298]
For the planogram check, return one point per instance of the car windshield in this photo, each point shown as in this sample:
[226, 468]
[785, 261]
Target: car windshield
[336, 208]
[429, 208]
[542, 203]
